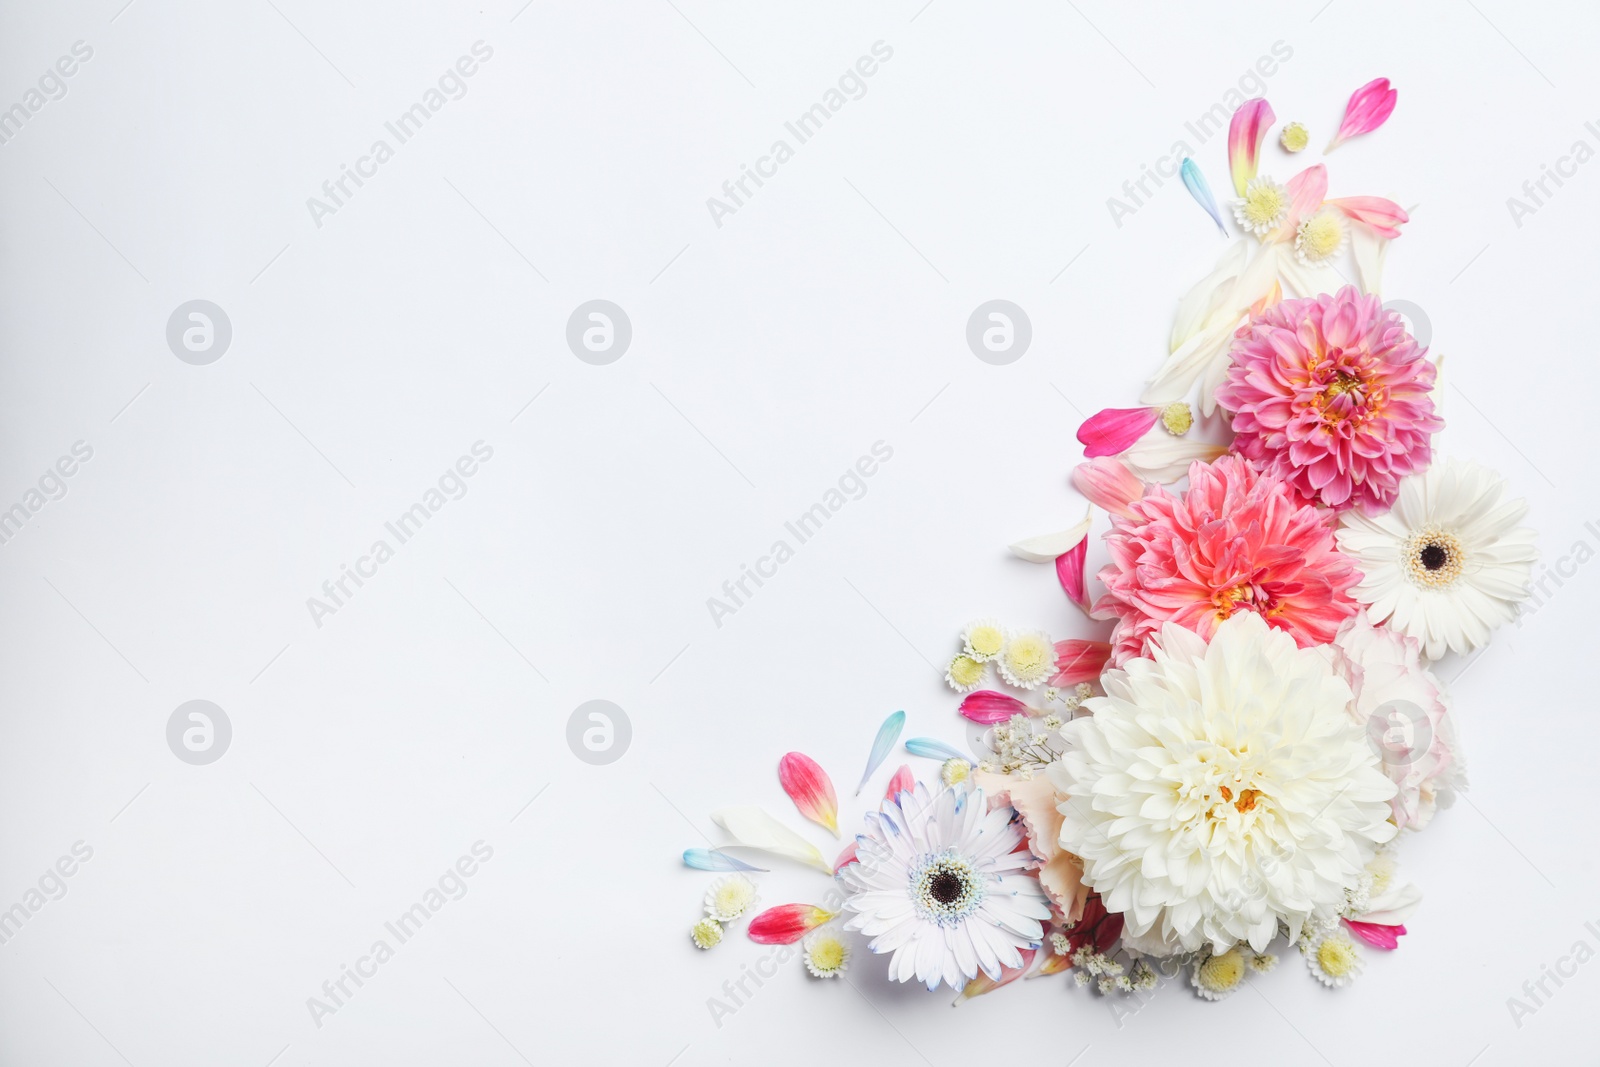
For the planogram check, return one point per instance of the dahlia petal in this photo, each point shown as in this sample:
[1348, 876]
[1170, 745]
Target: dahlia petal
[1114, 430]
[1368, 108]
[1306, 192]
[1383, 217]
[1046, 548]
[1246, 131]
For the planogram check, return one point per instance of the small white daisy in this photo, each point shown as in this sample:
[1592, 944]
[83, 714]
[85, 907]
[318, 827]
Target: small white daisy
[1028, 659]
[1217, 977]
[1332, 958]
[730, 897]
[826, 954]
[983, 639]
[1449, 562]
[954, 771]
[965, 673]
[707, 933]
[1261, 962]
[1264, 207]
[1320, 237]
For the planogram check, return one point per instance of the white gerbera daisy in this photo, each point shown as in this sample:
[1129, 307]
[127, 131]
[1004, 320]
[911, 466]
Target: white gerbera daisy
[1332, 957]
[1449, 562]
[1028, 659]
[1220, 789]
[1264, 207]
[730, 897]
[1319, 238]
[826, 954]
[938, 885]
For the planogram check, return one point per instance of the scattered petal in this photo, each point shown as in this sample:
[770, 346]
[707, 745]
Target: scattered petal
[1046, 547]
[932, 748]
[1384, 217]
[900, 783]
[1080, 661]
[984, 984]
[1378, 935]
[1069, 572]
[713, 859]
[846, 858]
[1370, 107]
[988, 707]
[788, 923]
[1113, 430]
[888, 734]
[1195, 182]
[809, 786]
[1108, 484]
[751, 827]
[1245, 133]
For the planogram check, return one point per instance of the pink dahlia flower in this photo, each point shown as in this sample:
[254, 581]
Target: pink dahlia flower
[1332, 394]
[1236, 540]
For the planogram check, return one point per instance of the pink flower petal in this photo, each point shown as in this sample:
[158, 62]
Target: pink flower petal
[988, 707]
[1306, 190]
[984, 984]
[846, 858]
[1377, 935]
[1080, 661]
[901, 782]
[787, 923]
[1245, 134]
[1383, 216]
[1069, 571]
[1108, 484]
[1370, 107]
[1114, 430]
[810, 788]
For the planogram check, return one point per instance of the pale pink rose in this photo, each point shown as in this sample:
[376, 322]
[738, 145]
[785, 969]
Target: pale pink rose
[1405, 710]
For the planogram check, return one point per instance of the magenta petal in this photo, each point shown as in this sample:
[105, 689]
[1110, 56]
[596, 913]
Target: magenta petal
[1370, 107]
[1069, 570]
[1377, 935]
[989, 707]
[809, 786]
[1115, 430]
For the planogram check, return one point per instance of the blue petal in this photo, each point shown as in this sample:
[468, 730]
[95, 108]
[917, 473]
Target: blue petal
[711, 859]
[932, 749]
[1195, 182]
[888, 734]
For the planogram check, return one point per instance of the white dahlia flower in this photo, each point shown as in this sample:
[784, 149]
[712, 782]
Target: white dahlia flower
[939, 884]
[1220, 789]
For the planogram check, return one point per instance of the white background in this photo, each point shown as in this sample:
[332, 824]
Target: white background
[769, 353]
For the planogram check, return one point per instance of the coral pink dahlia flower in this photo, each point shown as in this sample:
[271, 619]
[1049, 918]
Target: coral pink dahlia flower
[1236, 540]
[1332, 394]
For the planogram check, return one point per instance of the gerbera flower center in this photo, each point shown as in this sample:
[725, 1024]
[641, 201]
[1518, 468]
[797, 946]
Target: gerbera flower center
[946, 888]
[1433, 558]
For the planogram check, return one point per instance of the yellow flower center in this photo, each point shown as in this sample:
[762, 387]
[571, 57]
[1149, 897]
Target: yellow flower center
[1321, 235]
[1263, 204]
[1337, 956]
[954, 771]
[1028, 657]
[827, 954]
[1221, 973]
[986, 641]
[1294, 137]
[1177, 418]
[732, 899]
[965, 671]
